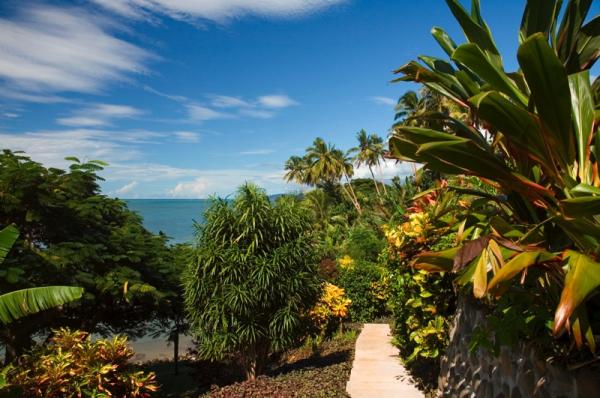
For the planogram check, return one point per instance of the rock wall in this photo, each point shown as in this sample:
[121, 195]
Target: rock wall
[516, 373]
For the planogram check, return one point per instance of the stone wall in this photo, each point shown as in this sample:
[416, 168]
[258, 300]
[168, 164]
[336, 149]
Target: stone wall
[516, 373]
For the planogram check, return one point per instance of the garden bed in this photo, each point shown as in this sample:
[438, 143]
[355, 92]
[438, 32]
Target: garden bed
[301, 374]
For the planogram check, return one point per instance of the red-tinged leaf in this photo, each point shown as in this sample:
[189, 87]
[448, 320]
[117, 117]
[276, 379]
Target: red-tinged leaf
[468, 252]
[581, 329]
[517, 264]
[583, 277]
[480, 275]
[441, 261]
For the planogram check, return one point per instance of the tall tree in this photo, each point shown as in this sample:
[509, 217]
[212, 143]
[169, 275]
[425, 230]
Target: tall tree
[73, 235]
[369, 152]
[329, 165]
[253, 276]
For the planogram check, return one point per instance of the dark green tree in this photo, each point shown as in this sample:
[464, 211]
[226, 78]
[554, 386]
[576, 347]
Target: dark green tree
[73, 235]
[253, 277]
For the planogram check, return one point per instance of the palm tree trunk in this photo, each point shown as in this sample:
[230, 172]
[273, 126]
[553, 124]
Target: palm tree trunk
[352, 195]
[375, 181]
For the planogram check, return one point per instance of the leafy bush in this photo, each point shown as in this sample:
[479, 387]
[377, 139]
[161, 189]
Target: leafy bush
[330, 310]
[253, 277]
[366, 285]
[72, 365]
[363, 244]
[533, 134]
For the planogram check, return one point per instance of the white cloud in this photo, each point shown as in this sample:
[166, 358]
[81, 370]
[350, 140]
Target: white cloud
[187, 136]
[225, 101]
[276, 101]
[215, 10]
[127, 188]
[97, 115]
[257, 113]
[257, 152]
[81, 121]
[383, 101]
[387, 170]
[201, 113]
[195, 189]
[48, 49]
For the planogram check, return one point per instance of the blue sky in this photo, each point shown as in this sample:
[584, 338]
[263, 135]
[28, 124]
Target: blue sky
[192, 97]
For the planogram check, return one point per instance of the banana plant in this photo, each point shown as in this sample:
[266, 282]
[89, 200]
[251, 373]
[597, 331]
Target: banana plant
[21, 303]
[534, 135]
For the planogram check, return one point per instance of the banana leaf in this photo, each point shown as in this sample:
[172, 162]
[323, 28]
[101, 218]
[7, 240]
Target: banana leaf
[21, 303]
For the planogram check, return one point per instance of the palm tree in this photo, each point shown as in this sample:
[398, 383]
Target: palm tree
[296, 170]
[369, 152]
[327, 164]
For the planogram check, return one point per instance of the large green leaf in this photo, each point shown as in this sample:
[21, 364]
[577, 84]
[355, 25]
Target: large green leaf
[547, 79]
[582, 105]
[570, 26]
[441, 261]
[475, 29]
[583, 277]
[8, 237]
[479, 63]
[539, 16]
[583, 206]
[514, 122]
[443, 40]
[21, 303]
[587, 47]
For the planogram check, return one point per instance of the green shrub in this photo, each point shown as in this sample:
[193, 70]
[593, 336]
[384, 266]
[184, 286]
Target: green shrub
[365, 284]
[363, 244]
[73, 365]
[253, 278]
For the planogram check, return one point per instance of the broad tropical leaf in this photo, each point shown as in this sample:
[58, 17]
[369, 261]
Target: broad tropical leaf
[21, 303]
[8, 237]
[583, 277]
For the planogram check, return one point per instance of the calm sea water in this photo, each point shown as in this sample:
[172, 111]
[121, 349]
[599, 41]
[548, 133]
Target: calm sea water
[174, 217]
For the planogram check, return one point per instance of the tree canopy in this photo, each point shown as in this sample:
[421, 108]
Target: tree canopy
[253, 277]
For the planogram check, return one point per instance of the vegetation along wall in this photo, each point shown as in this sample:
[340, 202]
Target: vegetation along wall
[516, 371]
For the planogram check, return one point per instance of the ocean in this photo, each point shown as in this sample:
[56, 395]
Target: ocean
[174, 217]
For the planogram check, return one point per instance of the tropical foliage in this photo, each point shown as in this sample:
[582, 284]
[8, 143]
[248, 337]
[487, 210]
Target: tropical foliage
[533, 136]
[72, 365]
[71, 234]
[331, 310]
[21, 303]
[253, 276]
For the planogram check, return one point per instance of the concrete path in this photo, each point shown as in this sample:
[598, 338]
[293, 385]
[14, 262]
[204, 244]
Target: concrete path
[377, 371]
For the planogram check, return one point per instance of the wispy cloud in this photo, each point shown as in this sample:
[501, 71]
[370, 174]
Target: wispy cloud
[383, 101]
[225, 101]
[98, 115]
[127, 188]
[220, 11]
[201, 113]
[276, 101]
[47, 49]
[257, 152]
[187, 136]
[230, 107]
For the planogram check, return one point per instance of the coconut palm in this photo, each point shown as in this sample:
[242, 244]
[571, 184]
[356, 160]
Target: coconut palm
[369, 152]
[296, 170]
[328, 164]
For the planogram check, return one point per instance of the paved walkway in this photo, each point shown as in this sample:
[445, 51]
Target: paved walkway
[377, 371]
